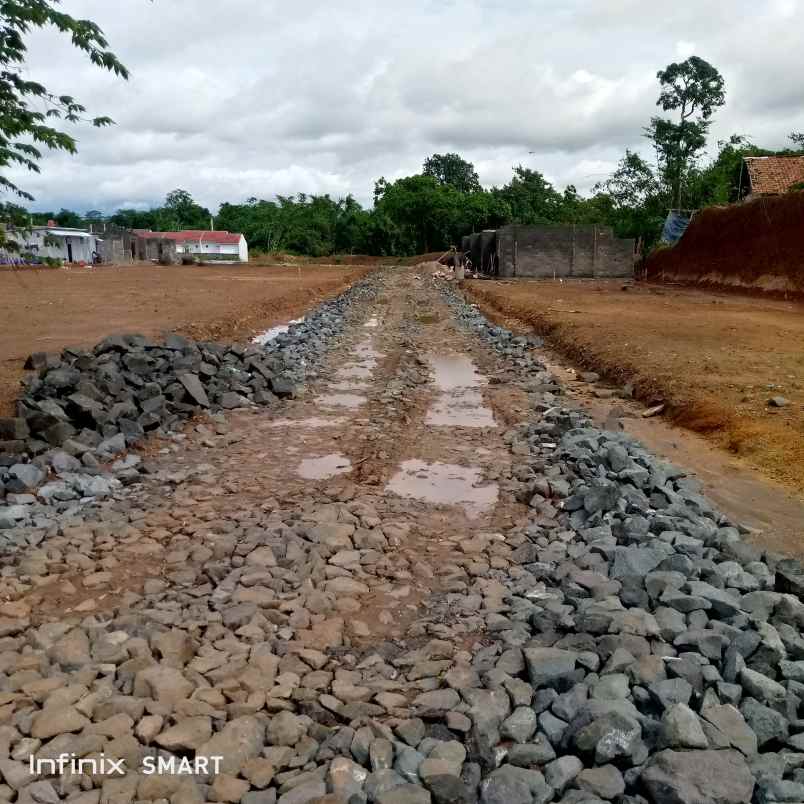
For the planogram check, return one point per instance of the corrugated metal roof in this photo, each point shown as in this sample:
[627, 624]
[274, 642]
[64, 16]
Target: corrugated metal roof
[53, 230]
[774, 175]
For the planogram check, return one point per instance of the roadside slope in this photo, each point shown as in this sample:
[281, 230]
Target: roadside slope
[714, 359]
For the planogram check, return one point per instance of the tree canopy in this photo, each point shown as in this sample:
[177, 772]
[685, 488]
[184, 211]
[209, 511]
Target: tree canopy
[29, 112]
[453, 171]
[694, 89]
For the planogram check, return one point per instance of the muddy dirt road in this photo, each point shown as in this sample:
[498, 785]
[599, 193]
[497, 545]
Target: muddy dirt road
[426, 579]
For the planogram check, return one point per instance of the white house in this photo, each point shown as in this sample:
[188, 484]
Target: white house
[219, 246]
[56, 242]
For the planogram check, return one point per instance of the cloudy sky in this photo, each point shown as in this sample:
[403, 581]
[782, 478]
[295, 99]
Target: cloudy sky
[258, 97]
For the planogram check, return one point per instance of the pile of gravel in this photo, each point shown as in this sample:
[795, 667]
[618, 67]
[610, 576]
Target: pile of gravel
[663, 654]
[81, 408]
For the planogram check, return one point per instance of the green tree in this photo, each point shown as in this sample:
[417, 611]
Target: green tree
[28, 109]
[694, 89]
[633, 200]
[453, 171]
[530, 198]
[423, 211]
[135, 218]
[68, 218]
[181, 212]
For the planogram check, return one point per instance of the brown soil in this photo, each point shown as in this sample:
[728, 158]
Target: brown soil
[715, 359]
[45, 310]
[755, 245]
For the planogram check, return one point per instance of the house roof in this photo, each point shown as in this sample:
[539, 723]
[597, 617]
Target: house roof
[58, 231]
[193, 236]
[774, 175]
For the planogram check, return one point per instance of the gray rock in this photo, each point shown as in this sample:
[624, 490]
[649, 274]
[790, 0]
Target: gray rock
[513, 785]
[560, 772]
[671, 691]
[520, 725]
[238, 741]
[382, 781]
[381, 754]
[24, 477]
[436, 701]
[537, 752]
[761, 687]
[285, 729]
[698, 777]
[404, 794]
[407, 762]
[637, 561]
[730, 722]
[681, 728]
[549, 667]
[766, 723]
[780, 790]
[411, 731]
[605, 782]
[192, 384]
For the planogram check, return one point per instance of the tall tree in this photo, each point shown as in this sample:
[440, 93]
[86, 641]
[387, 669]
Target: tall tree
[68, 218]
[181, 212]
[530, 197]
[453, 171]
[27, 108]
[632, 200]
[694, 89]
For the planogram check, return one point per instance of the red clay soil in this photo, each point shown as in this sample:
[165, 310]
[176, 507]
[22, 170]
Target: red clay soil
[757, 245]
[45, 310]
[715, 359]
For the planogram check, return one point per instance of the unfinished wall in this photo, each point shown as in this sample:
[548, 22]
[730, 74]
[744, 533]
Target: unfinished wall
[488, 251]
[562, 251]
[474, 248]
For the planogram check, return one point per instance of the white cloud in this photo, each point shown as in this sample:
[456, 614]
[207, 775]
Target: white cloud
[684, 49]
[250, 98]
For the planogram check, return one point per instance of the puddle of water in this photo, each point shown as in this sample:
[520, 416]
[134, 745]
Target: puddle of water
[444, 484]
[324, 467]
[312, 422]
[270, 334]
[348, 385]
[460, 403]
[351, 401]
[355, 371]
[462, 408]
[454, 371]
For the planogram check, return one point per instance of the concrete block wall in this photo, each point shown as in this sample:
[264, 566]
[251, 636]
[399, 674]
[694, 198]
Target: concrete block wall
[615, 255]
[562, 251]
[474, 248]
[488, 250]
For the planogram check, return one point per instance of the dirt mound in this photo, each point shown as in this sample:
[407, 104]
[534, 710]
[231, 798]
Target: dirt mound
[757, 245]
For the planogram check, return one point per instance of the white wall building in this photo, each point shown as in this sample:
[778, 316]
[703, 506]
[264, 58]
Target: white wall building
[220, 246]
[56, 242]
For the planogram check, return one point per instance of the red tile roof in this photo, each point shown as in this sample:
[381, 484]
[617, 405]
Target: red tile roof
[774, 175]
[193, 235]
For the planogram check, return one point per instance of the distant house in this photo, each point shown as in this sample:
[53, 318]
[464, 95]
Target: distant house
[206, 245]
[770, 175]
[56, 242]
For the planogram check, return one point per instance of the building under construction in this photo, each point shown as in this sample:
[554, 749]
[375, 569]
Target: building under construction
[550, 251]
